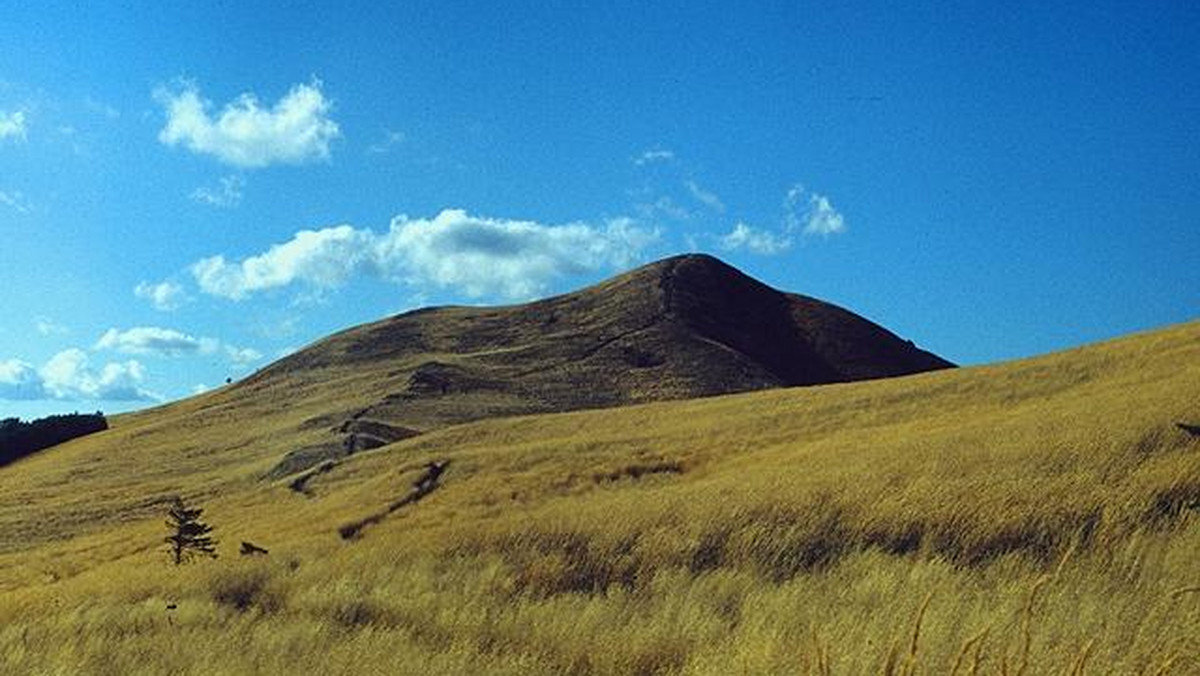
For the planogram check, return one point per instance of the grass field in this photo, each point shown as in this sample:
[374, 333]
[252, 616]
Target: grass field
[1035, 517]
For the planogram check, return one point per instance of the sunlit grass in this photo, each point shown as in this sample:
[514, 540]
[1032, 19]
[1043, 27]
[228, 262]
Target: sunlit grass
[1028, 518]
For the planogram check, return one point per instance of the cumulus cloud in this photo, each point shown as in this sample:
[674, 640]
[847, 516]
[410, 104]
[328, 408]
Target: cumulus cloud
[164, 296]
[755, 240]
[654, 155]
[20, 381]
[155, 340]
[322, 258]
[475, 255]
[227, 194]
[515, 259]
[296, 130]
[69, 376]
[811, 213]
[12, 125]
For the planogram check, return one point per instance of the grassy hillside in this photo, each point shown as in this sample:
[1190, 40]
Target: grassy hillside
[1041, 516]
[679, 328]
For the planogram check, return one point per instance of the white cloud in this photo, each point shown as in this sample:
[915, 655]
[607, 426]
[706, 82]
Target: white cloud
[164, 296]
[322, 258]
[20, 381]
[297, 129]
[705, 197]
[514, 259]
[155, 340]
[12, 125]
[478, 256]
[15, 200]
[755, 240]
[227, 194]
[811, 213]
[654, 155]
[242, 356]
[390, 140]
[68, 376]
[162, 342]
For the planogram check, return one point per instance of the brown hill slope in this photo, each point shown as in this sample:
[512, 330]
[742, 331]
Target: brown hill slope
[684, 327]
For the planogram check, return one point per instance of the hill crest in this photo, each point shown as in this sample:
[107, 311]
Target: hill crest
[683, 327]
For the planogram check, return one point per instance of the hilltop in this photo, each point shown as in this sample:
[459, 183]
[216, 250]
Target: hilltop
[684, 327]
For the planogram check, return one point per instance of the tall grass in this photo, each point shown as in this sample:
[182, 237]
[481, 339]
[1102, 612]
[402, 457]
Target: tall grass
[1031, 518]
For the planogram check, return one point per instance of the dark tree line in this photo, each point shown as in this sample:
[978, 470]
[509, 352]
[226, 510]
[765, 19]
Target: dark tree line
[18, 438]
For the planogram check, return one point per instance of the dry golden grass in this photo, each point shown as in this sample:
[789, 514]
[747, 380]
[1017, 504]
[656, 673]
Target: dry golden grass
[1036, 517]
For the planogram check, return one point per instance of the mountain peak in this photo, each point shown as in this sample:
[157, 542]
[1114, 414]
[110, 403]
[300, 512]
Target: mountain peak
[682, 327]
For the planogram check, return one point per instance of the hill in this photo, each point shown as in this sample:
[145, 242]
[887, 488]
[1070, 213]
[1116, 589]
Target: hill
[685, 327]
[1040, 516]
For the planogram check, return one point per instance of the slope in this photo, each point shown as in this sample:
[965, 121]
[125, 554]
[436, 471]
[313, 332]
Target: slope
[1043, 511]
[684, 327]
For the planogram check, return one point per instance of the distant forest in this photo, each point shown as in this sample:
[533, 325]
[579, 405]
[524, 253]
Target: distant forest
[18, 438]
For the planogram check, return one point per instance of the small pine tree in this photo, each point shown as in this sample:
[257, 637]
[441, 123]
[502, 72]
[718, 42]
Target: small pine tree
[189, 535]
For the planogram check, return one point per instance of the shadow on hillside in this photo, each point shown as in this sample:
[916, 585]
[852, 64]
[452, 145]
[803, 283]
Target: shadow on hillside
[429, 481]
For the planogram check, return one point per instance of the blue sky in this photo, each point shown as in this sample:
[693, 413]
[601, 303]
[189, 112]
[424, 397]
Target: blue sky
[189, 190]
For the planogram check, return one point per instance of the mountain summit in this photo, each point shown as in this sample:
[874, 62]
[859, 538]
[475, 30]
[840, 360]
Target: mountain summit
[687, 326]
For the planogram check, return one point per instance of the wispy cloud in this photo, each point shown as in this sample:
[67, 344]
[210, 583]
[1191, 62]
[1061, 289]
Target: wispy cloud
[13, 125]
[477, 256]
[227, 194]
[705, 197]
[390, 140]
[69, 376]
[654, 155]
[101, 108]
[15, 201]
[296, 130]
[48, 327]
[664, 206]
[163, 296]
[811, 213]
[755, 240]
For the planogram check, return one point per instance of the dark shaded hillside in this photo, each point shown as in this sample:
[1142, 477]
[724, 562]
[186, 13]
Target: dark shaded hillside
[688, 326]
